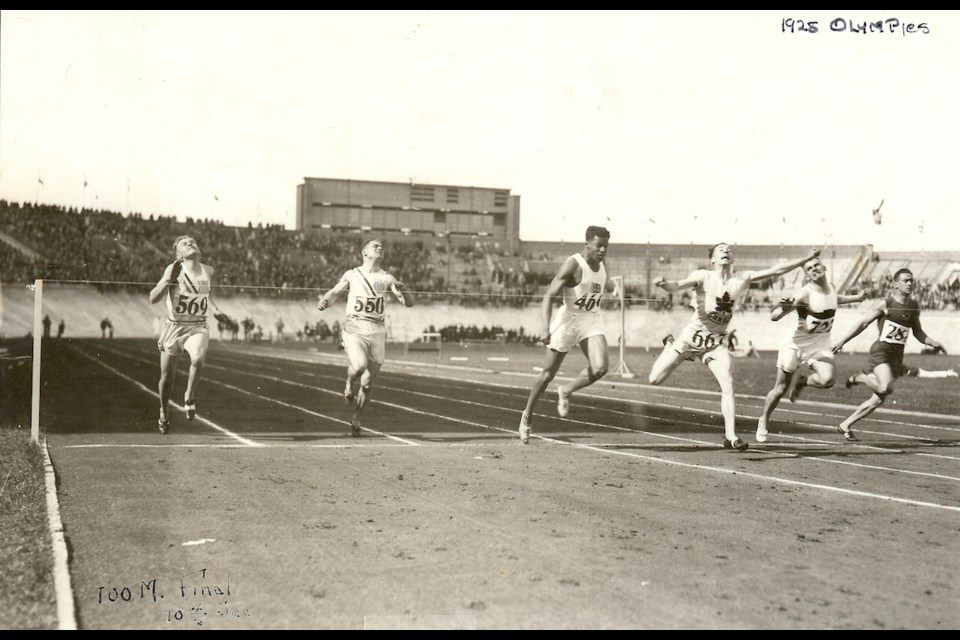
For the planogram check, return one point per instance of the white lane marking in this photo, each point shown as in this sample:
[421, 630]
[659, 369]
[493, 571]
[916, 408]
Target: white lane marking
[66, 617]
[156, 395]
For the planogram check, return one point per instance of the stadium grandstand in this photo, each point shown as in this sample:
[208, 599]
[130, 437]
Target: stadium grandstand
[117, 255]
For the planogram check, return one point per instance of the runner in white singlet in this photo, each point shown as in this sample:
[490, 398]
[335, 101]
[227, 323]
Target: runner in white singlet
[716, 291]
[185, 287]
[364, 330]
[582, 280]
[809, 343]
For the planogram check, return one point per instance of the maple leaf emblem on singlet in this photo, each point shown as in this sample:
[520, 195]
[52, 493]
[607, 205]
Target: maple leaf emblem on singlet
[724, 310]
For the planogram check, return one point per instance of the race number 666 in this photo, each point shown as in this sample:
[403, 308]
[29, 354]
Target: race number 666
[706, 340]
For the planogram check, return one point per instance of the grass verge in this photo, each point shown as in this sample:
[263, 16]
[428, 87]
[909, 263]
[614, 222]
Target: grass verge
[27, 598]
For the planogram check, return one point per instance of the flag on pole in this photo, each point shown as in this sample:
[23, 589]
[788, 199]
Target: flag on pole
[39, 180]
[652, 220]
[216, 198]
[876, 213]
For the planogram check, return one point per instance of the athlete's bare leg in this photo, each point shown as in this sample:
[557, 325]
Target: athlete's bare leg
[168, 376]
[550, 367]
[668, 360]
[196, 348]
[881, 383]
[721, 367]
[366, 385]
[772, 400]
[598, 361]
[822, 376]
[357, 363]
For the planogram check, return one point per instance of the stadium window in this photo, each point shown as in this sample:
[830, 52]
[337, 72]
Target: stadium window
[500, 219]
[453, 196]
[421, 193]
[439, 217]
[500, 198]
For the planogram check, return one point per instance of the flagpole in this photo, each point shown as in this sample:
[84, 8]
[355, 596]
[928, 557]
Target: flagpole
[622, 369]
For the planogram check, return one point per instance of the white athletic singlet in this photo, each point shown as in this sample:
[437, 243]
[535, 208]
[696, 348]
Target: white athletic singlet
[713, 299]
[585, 297]
[187, 302]
[365, 299]
[815, 319]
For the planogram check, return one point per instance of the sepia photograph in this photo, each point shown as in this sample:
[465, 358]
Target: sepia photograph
[469, 320]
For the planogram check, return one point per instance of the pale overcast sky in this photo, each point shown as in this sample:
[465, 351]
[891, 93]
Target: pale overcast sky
[715, 125]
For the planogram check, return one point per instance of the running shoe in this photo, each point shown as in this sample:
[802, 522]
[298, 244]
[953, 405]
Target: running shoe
[563, 402]
[524, 428]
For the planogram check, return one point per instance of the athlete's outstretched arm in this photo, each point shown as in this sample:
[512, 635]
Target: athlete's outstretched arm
[399, 290]
[857, 330]
[783, 267]
[677, 285]
[860, 297]
[210, 272]
[922, 336]
[337, 289]
[788, 304]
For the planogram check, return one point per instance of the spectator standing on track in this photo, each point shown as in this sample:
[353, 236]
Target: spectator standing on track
[896, 317]
[582, 280]
[46, 325]
[61, 328]
[106, 328]
[335, 333]
[364, 330]
[716, 291]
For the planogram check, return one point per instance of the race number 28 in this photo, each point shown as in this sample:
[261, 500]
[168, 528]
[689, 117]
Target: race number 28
[897, 334]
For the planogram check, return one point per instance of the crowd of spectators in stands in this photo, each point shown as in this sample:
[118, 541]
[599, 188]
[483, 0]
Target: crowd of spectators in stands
[108, 247]
[941, 296]
[461, 333]
[129, 251]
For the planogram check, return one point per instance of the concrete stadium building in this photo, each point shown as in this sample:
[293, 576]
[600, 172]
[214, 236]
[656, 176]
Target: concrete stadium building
[410, 209]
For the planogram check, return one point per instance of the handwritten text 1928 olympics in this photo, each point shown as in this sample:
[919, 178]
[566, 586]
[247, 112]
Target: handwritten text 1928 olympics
[849, 25]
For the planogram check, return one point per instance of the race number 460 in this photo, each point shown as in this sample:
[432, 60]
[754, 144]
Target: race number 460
[587, 303]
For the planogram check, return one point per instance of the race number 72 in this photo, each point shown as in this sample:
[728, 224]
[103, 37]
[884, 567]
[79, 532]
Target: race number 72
[821, 326]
